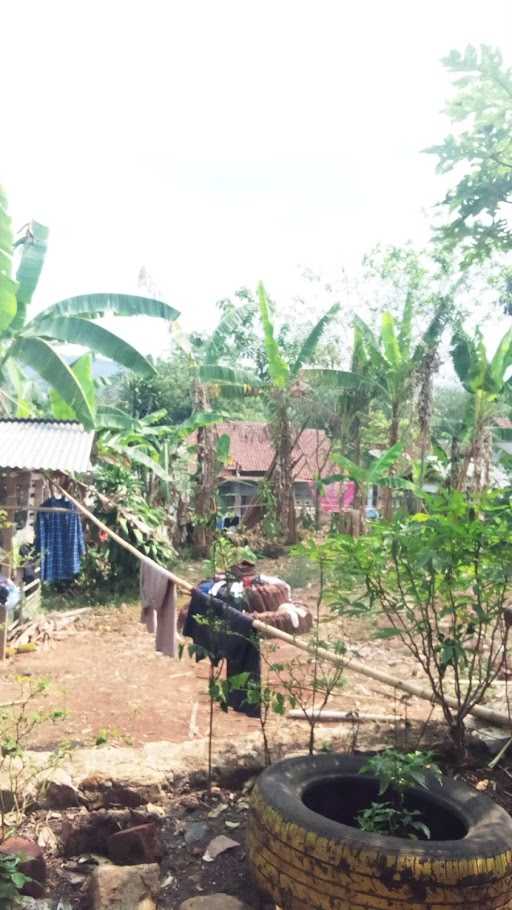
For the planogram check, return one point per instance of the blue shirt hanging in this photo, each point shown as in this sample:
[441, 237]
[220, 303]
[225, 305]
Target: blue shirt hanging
[60, 540]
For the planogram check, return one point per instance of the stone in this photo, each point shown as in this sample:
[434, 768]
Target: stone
[59, 791]
[30, 903]
[32, 863]
[214, 902]
[90, 833]
[135, 846]
[196, 831]
[123, 887]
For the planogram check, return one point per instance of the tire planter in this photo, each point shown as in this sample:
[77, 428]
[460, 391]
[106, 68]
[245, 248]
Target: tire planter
[304, 855]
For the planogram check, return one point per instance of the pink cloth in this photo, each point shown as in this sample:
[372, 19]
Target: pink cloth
[338, 496]
[158, 598]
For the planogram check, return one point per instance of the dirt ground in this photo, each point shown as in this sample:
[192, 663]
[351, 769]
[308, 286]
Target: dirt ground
[114, 688]
[105, 674]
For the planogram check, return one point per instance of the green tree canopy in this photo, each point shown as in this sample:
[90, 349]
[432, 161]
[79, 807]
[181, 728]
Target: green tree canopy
[478, 152]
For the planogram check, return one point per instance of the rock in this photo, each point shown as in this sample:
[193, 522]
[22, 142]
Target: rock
[214, 902]
[123, 887]
[59, 791]
[493, 739]
[195, 832]
[135, 846]
[100, 790]
[30, 903]
[32, 863]
[90, 833]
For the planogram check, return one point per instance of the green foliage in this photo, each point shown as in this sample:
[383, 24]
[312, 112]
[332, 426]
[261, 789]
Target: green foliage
[383, 818]
[120, 501]
[34, 342]
[398, 772]
[279, 369]
[377, 473]
[11, 879]
[7, 285]
[480, 149]
[475, 371]
[401, 770]
[226, 552]
[439, 579]
[19, 721]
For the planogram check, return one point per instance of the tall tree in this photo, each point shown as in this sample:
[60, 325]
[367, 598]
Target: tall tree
[399, 364]
[479, 149]
[280, 386]
[34, 342]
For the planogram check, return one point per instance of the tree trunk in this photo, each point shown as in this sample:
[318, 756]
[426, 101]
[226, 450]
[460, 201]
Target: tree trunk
[425, 402]
[206, 480]
[283, 476]
[387, 510]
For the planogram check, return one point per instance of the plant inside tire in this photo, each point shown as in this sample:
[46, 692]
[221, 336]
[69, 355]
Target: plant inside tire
[306, 854]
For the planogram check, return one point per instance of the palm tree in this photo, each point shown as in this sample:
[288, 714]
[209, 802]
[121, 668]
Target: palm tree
[487, 382]
[33, 342]
[280, 390]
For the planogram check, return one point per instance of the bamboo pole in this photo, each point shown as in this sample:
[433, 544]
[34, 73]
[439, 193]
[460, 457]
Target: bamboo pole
[345, 663]
[354, 717]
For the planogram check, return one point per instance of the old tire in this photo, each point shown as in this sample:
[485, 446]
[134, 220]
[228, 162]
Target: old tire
[306, 861]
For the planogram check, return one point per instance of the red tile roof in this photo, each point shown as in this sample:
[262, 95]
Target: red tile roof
[251, 450]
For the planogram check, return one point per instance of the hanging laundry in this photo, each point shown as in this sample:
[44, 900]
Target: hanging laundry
[158, 598]
[59, 540]
[221, 632]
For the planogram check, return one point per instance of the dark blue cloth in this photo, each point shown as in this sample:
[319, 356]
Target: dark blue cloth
[60, 540]
[224, 632]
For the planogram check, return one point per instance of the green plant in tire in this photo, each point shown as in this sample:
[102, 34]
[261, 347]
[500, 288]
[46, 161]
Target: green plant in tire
[397, 773]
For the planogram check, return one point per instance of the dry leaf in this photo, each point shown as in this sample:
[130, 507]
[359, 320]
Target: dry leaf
[217, 846]
[46, 839]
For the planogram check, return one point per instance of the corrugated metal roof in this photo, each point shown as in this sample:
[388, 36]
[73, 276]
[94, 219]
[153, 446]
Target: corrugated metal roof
[44, 445]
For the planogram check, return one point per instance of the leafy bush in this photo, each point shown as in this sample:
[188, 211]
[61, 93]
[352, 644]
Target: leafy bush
[439, 581]
[119, 502]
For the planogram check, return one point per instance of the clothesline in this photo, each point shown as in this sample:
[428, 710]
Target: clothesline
[33, 509]
[344, 663]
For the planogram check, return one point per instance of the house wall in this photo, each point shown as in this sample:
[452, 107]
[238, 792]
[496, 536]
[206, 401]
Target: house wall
[236, 495]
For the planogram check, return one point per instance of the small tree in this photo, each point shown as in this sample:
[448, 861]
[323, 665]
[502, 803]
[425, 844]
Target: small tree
[440, 580]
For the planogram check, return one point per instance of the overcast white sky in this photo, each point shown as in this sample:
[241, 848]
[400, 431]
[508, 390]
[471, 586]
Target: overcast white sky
[218, 142]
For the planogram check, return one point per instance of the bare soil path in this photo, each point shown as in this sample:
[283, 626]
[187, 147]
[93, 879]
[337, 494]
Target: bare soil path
[106, 675]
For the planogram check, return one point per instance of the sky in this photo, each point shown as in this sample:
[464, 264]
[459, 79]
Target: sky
[220, 142]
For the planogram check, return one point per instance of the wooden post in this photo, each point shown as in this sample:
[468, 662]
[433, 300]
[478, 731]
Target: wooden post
[8, 532]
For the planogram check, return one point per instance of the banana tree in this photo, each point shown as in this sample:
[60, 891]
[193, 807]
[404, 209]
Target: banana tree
[280, 391]
[34, 342]
[488, 383]
[400, 365]
[353, 392]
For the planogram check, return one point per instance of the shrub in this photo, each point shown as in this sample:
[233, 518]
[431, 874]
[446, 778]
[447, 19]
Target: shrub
[439, 581]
